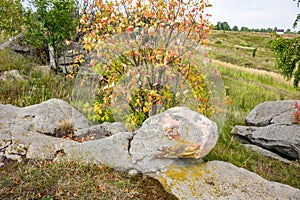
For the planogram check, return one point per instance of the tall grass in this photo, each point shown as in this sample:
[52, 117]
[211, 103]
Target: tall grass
[37, 86]
[227, 49]
[248, 88]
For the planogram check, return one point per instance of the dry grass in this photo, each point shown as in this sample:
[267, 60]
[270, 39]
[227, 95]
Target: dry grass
[255, 71]
[71, 180]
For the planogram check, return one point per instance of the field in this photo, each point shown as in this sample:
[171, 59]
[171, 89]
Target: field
[248, 70]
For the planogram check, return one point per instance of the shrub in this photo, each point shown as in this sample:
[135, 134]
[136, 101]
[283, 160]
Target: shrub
[142, 52]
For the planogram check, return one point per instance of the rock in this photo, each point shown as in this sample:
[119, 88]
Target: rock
[101, 131]
[12, 75]
[14, 45]
[69, 59]
[43, 68]
[112, 151]
[29, 133]
[274, 112]
[281, 139]
[175, 133]
[26, 132]
[266, 153]
[48, 116]
[168, 147]
[271, 126]
[220, 180]
[114, 128]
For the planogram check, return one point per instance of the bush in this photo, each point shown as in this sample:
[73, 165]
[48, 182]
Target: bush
[142, 52]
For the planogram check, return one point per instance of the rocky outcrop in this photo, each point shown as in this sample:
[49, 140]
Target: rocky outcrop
[29, 130]
[271, 125]
[167, 147]
[41, 131]
[267, 153]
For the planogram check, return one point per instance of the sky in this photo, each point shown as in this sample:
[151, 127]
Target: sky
[255, 13]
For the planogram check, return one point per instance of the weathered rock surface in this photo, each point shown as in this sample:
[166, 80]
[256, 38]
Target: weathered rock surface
[12, 75]
[36, 132]
[220, 180]
[271, 126]
[175, 133]
[14, 45]
[273, 112]
[112, 151]
[29, 132]
[157, 148]
[26, 132]
[281, 139]
[266, 153]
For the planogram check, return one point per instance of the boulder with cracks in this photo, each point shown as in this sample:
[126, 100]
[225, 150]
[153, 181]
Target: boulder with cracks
[271, 126]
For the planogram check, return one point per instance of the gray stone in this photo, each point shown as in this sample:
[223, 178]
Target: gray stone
[112, 151]
[48, 116]
[12, 75]
[8, 113]
[266, 153]
[103, 130]
[281, 139]
[271, 126]
[157, 148]
[24, 131]
[100, 131]
[175, 133]
[44, 68]
[114, 128]
[274, 112]
[220, 180]
[29, 132]
[14, 45]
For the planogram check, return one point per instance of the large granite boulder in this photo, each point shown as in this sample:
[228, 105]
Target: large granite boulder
[271, 125]
[173, 134]
[220, 180]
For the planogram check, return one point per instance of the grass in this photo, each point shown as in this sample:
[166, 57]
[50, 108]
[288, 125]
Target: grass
[64, 180]
[246, 86]
[38, 85]
[72, 180]
[225, 46]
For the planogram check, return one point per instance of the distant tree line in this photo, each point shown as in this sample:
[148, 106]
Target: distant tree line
[225, 26]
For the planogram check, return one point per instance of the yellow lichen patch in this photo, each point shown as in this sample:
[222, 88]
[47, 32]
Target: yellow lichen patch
[187, 175]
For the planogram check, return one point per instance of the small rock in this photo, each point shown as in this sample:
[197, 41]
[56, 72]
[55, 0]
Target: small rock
[266, 153]
[12, 75]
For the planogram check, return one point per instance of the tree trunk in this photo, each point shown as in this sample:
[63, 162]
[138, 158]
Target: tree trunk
[53, 59]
